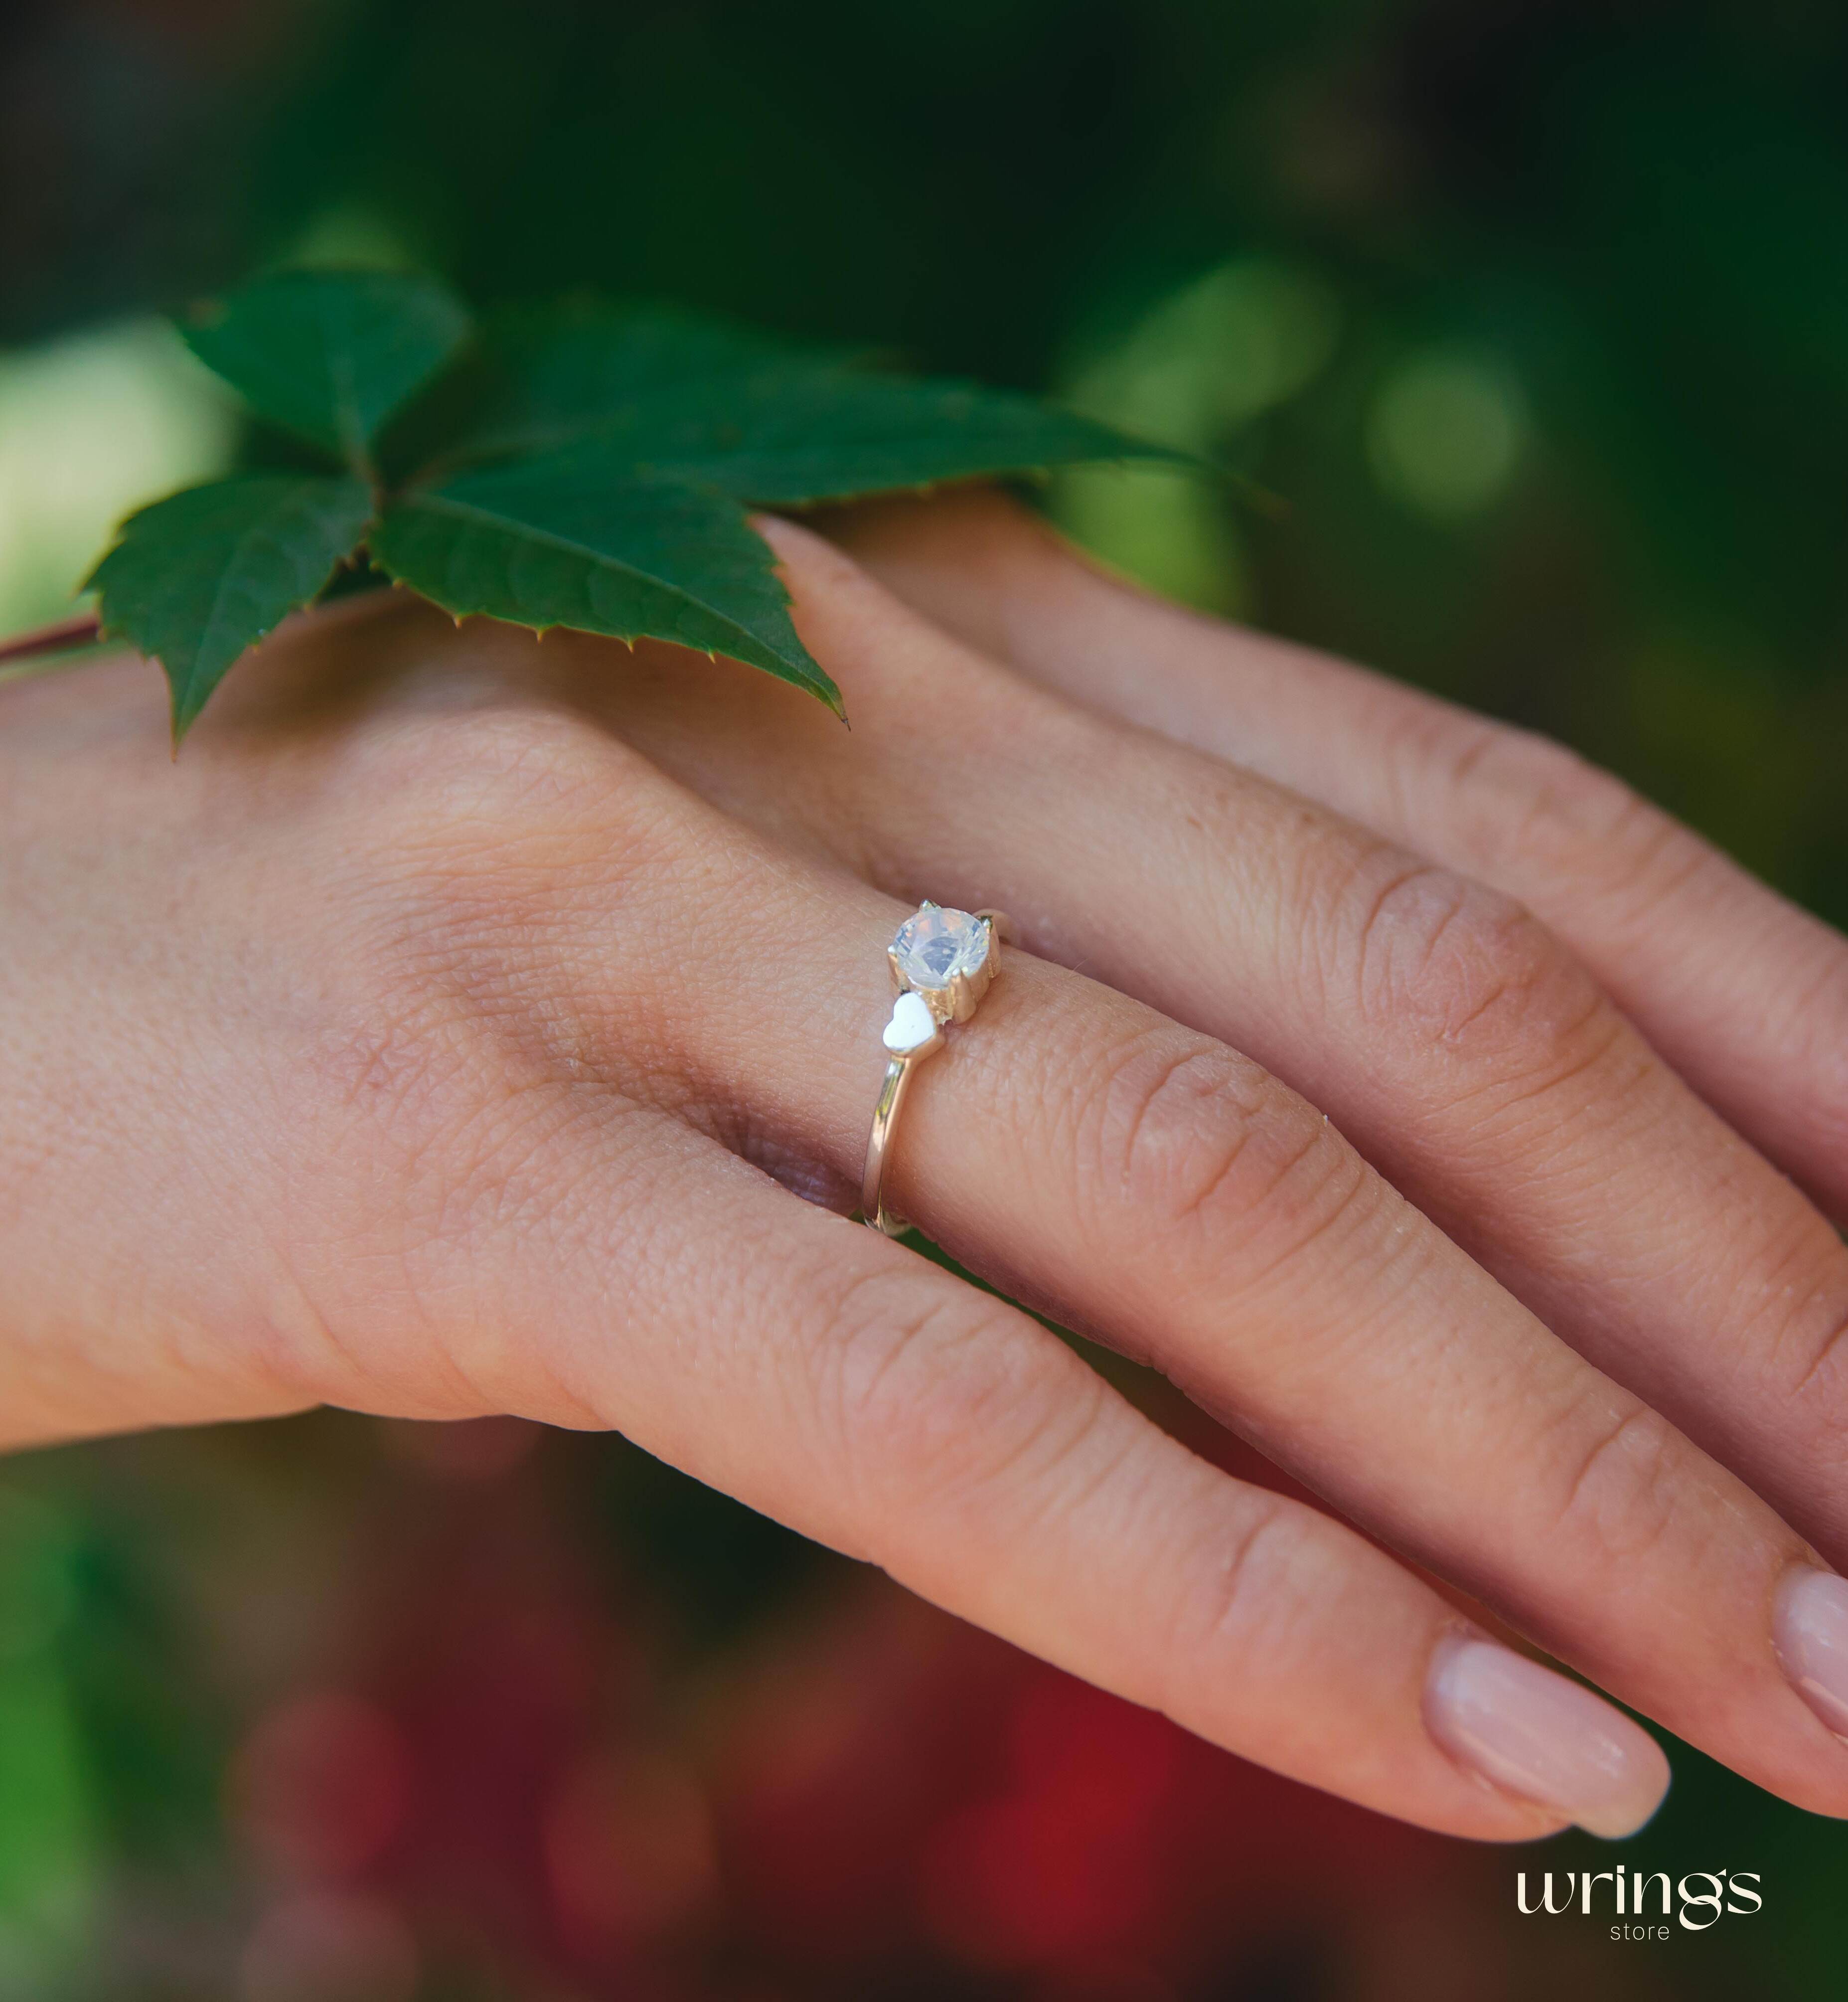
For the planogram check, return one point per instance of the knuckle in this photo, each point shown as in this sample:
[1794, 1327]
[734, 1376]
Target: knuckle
[1816, 1010]
[502, 786]
[1243, 1599]
[1458, 966]
[1524, 799]
[1805, 1285]
[931, 1390]
[1623, 1473]
[1823, 1383]
[1188, 1142]
[492, 834]
[513, 802]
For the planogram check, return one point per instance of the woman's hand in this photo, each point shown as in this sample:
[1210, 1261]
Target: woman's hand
[434, 1037]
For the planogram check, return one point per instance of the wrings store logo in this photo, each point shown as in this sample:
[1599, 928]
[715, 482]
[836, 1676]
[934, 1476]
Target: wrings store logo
[1694, 1902]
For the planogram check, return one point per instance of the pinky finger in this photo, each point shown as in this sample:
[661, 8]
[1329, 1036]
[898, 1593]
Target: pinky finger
[836, 1381]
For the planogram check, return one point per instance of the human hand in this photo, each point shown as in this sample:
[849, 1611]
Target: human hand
[420, 1043]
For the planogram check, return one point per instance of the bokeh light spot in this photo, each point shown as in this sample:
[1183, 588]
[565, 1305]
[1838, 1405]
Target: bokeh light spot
[1445, 432]
[1169, 532]
[1213, 355]
[92, 427]
[329, 1947]
[322, 1784]
[629, 1846]
[1195, 371]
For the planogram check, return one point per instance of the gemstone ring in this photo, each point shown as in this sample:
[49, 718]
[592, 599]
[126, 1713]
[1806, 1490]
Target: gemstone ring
[941, 963]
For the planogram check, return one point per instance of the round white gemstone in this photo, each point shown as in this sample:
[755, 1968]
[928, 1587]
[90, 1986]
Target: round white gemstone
[936, 945]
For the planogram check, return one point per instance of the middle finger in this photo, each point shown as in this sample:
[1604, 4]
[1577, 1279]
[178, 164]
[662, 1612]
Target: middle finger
[1463, 1050]
[1147, 1183]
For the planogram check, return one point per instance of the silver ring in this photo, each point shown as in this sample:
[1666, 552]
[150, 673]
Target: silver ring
[943, 962]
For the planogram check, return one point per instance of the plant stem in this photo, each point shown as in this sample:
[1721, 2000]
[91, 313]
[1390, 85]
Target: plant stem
[82, 631]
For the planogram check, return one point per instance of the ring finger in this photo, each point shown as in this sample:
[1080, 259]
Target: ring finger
[1468, 1056]
[1144, 1181]
[1746, 995]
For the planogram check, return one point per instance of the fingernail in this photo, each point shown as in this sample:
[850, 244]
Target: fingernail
[1810, 1626]
[1538, 1735]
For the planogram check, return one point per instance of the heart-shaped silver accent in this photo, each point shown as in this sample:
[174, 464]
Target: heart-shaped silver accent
[912, 1027]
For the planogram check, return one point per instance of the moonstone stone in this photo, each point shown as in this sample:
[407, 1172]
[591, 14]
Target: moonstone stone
[936, 945]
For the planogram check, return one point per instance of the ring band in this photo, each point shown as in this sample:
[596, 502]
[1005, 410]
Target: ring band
[943, 962]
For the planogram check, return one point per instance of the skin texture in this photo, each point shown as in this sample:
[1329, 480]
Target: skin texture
[463, 1025]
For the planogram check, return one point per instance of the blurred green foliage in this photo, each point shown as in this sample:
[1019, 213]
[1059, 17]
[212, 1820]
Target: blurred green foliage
[1533, 318]
[1533, 315]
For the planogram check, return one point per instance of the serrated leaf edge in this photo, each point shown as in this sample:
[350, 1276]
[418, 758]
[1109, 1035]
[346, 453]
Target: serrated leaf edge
[181, 721]
[807, 672]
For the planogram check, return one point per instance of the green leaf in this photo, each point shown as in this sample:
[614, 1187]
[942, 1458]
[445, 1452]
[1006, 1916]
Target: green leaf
[331, 355]
[612, 452]
[555, 376]
[568, 540]
[786, 437]
[672, 396]
[196, 579]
